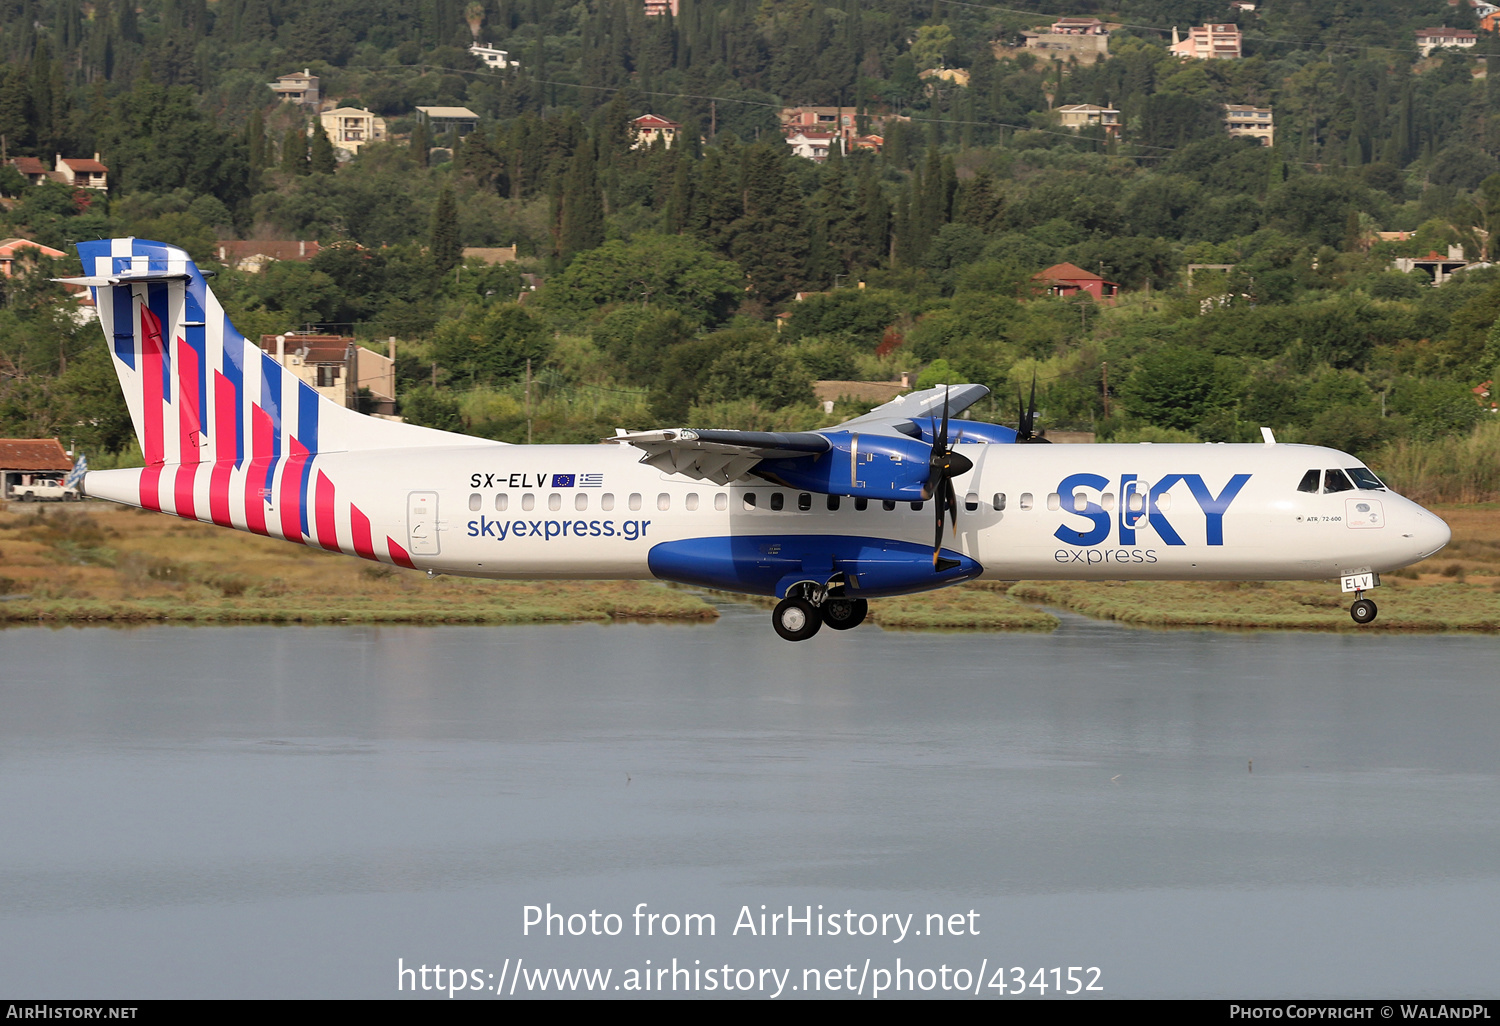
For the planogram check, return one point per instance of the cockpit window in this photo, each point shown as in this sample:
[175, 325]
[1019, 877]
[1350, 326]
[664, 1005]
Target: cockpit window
[1336, 481]
[1365, 480]
[1310, 481]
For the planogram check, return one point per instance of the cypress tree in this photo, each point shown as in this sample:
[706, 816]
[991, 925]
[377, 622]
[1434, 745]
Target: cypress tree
[294, 151]
[447, 249]
[421, 142]
[320, 160]
[582, 207]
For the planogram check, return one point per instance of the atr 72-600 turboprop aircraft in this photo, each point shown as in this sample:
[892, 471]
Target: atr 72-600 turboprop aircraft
[823, 520]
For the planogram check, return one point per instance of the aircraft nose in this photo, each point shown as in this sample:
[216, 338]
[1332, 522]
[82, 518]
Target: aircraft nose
[1429, 533]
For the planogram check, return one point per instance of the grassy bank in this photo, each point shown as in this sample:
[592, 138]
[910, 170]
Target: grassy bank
[99, 562]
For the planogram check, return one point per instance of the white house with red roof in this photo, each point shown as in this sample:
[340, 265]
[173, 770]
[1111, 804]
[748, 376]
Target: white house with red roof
[13, 250]
[648, 129]
[82, 173]
[1430, 39]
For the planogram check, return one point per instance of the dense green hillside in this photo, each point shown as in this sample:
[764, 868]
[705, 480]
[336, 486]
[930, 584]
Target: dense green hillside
[664, 268]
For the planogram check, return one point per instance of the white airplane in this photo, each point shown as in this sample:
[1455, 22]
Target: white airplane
[822, 520]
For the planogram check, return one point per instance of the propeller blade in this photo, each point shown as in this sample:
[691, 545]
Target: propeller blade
[952, 502]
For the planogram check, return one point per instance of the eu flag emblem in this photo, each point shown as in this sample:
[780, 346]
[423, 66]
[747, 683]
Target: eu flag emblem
[562, 480]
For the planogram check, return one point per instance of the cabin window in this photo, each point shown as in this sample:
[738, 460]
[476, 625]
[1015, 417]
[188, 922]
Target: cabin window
[581, 501]
[999, 501]
[1054, 501]
[1107, 500]
[971, 502]
[1136, 503]
[474, 501]
[502, 502]
[528, 502]
[635, 500]
[1365, 480]
[1026, 500]
[663, 501]
[607, 501]
[554, 502]
[777, 502]
[1079, 501]
[692, 501]
[721, 502]
[833, 503]
[861, 504]
[1163, 502]
[887, 504]
[804, 501]
[1336, 481]
[1310, 481]
[749, 500]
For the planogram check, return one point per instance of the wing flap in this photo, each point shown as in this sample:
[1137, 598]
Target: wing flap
[719, 456]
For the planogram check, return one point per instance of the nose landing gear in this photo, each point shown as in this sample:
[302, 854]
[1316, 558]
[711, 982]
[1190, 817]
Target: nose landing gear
[1363, 611]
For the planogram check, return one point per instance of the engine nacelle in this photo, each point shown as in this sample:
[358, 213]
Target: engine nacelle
[864, 466]
[771, 564]
[961, 432]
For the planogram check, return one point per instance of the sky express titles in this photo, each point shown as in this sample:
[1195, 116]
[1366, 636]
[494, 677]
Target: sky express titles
[1140, 501]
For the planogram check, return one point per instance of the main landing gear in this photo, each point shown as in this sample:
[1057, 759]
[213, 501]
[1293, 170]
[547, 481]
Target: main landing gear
[799, 616]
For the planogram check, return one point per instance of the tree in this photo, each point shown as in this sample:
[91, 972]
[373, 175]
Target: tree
[669, 271]
[294, 151]
[582, 205]
[446, 247]
[492, 344]
[1177, 388]
[320, 160]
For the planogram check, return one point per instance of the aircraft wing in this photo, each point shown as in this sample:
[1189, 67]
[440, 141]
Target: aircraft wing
[719, 456]
[722, 456]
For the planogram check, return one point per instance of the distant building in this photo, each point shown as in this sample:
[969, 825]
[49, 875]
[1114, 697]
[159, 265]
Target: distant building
[31, 168]
[442, 120]
[648, 129]
[349, 128]
[254, 254]
[300, 87]
[1438, 268]
[842, 121]
[1430, 39]
[31, 461]
[1070, 279]
[82, 173]
[1079, 27]
[499, 60]
[337, 367]
[1242, 5]
[492, 255]
[1085, 47]
[811, 145]
[1251, 122]
[1084, 115]
[655, 8]
[13, 250]
[1209, 42]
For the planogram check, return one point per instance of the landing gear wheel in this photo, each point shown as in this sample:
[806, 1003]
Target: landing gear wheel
[842, 614]
[796, 619]
[1363, 611]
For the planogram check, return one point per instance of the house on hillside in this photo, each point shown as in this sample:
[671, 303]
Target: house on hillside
[656, 8]
[648, 128]
[14, 250]
[1084, 115]
[300, 87]
[82, 173]
[1438, 268]
[1250, 122]
[349, 128]
[337, 367]
[810, 145]
[442, 120]
[499, 60]
[1209, 42]
[32, 169]
[1065, 280]
[1430, 39]
[254, 254]
[1079, 27]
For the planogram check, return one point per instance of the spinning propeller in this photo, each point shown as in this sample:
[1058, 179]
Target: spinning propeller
[1026, 414]
[943, 466]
